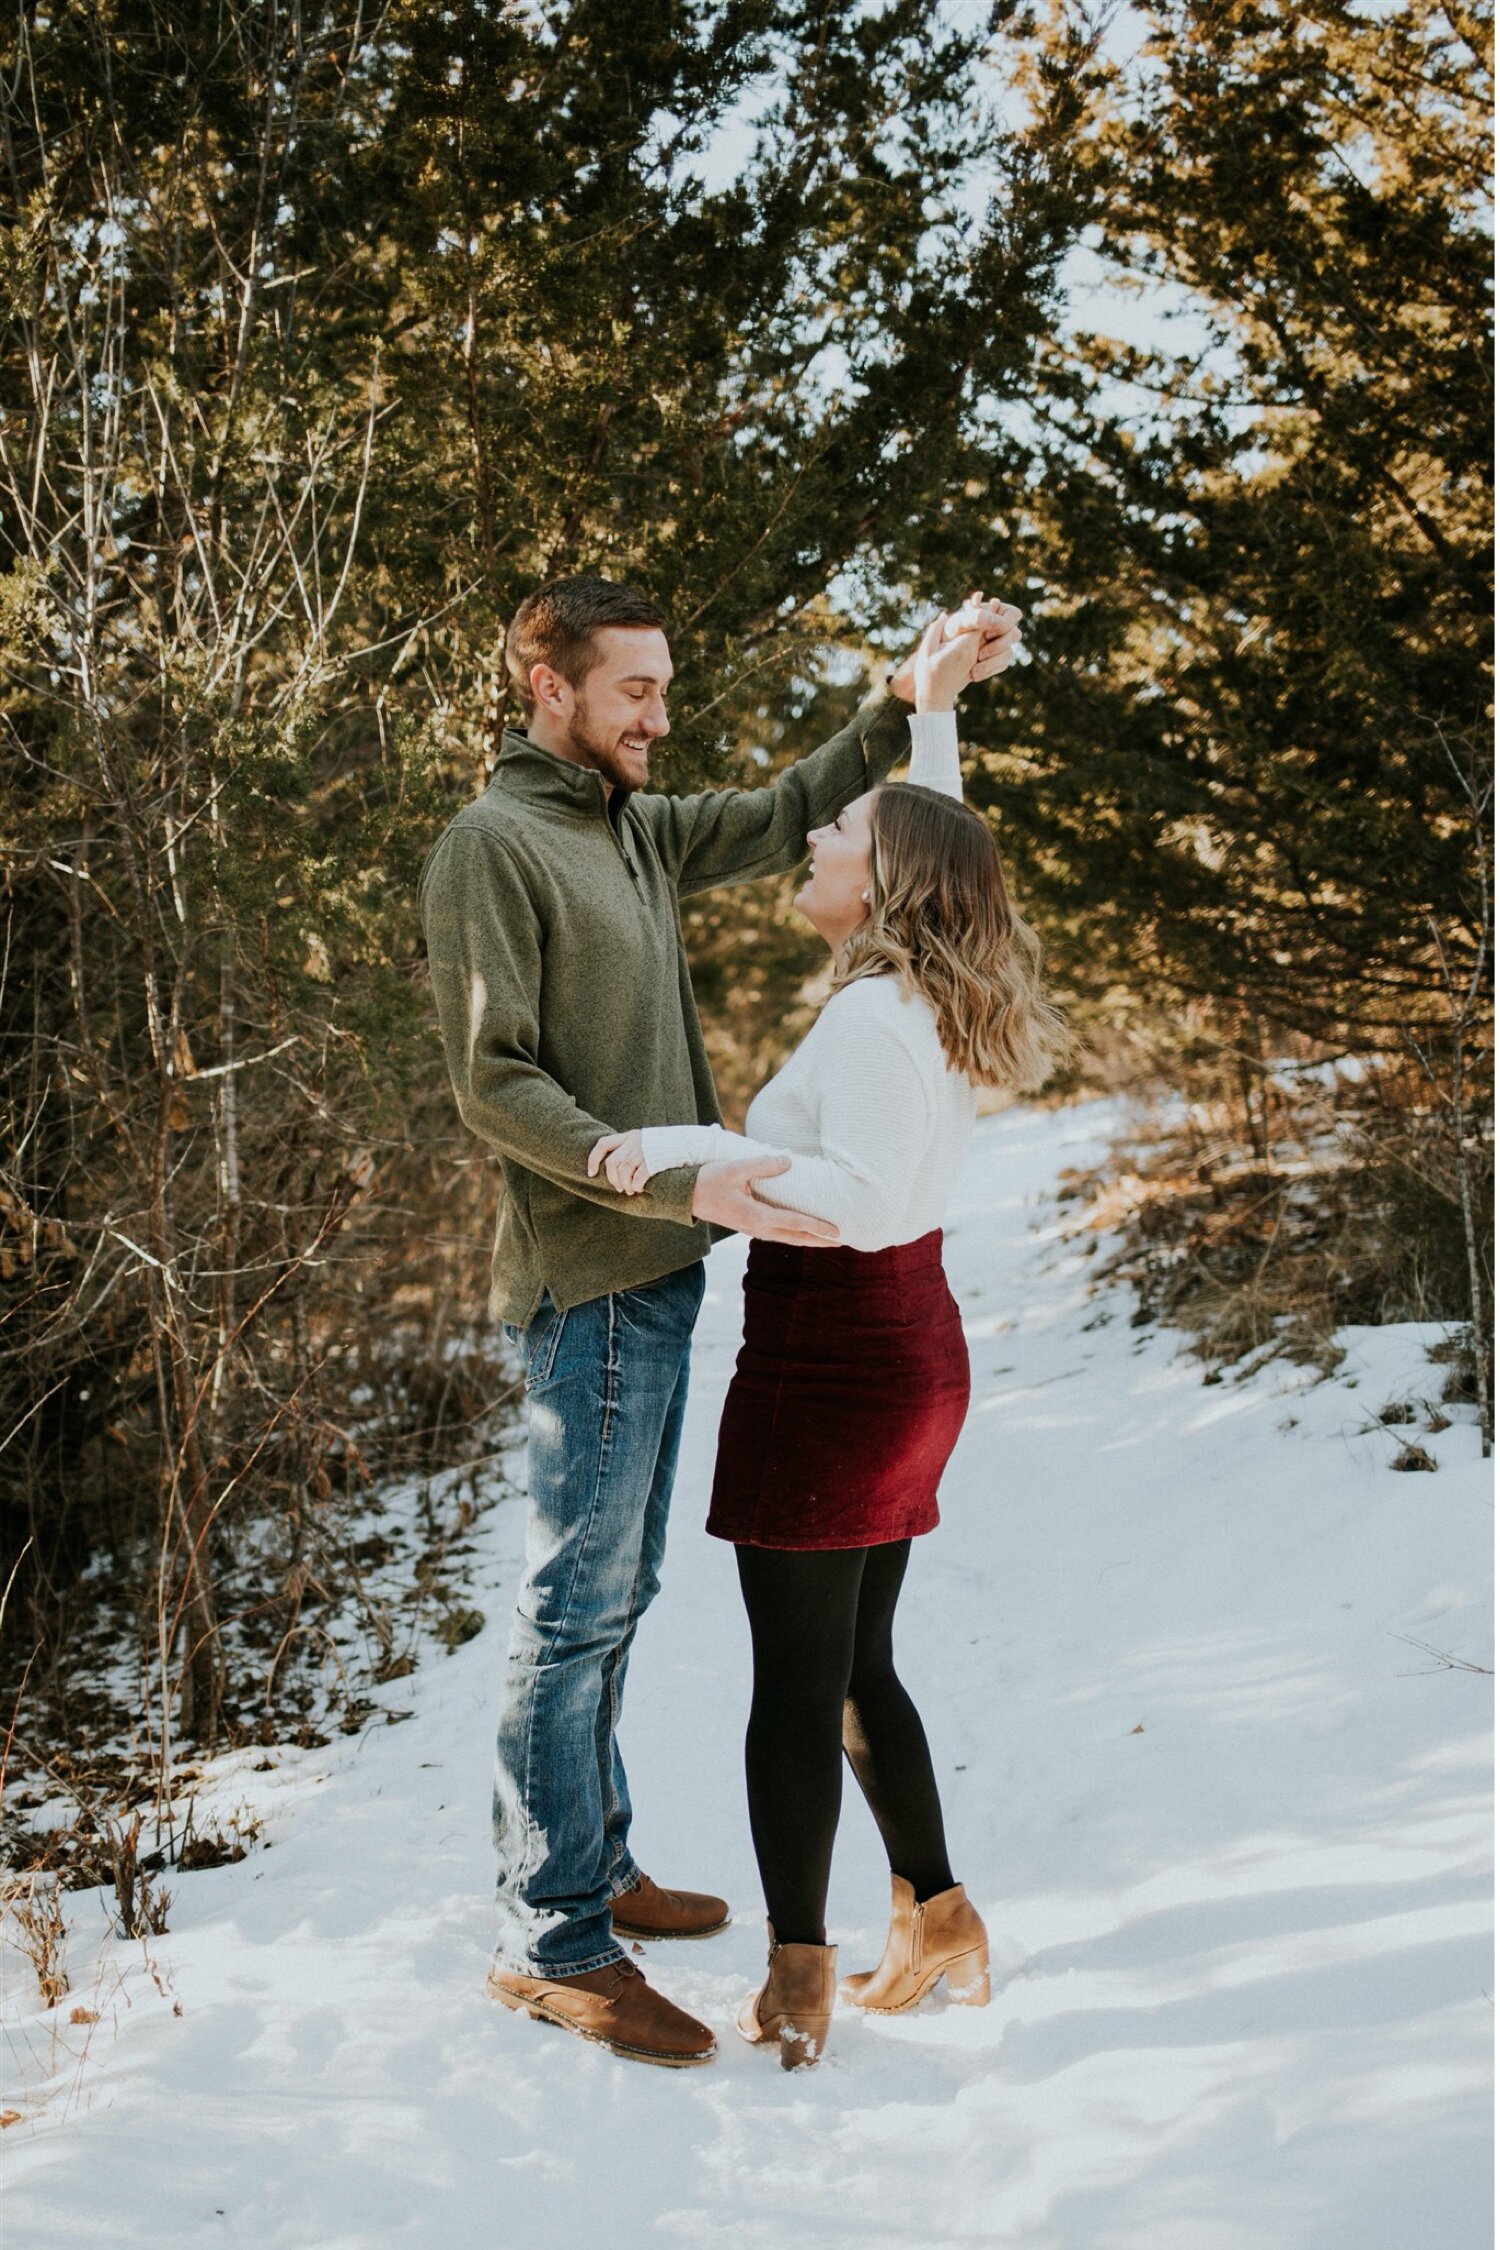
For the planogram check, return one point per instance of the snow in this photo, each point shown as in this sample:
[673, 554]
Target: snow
[1193, 1660]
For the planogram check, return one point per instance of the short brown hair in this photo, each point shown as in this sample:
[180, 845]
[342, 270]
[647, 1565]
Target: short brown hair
[556, 625]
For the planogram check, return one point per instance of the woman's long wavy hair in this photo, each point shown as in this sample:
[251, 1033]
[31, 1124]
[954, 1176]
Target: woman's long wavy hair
[941, 919]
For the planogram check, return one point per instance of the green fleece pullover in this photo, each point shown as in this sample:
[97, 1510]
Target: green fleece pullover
[563, 995]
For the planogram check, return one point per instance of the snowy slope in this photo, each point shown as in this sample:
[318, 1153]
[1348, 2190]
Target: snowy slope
[1229, 1826]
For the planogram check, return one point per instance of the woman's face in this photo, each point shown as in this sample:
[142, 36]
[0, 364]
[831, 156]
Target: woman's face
[833, 897]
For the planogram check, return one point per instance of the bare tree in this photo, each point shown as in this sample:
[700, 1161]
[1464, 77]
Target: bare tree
[183, 490]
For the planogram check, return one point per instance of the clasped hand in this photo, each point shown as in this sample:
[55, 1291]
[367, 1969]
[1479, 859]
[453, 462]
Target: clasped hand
[623, 1156]
[958, 650]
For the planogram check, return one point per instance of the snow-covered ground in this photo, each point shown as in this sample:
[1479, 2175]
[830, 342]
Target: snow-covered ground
[1193, 1660]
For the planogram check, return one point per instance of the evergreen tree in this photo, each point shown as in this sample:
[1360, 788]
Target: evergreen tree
[325, 335]
[1249, 768]
[1251, 749]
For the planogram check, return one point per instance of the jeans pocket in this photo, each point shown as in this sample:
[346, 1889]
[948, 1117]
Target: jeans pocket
[542, 1339]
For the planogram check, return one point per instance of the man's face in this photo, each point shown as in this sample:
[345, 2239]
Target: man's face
[620, 707]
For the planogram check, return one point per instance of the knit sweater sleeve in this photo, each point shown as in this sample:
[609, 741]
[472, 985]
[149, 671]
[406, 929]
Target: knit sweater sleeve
[720, 836]
[665, 1146]
[870, 1099]
[934, 753]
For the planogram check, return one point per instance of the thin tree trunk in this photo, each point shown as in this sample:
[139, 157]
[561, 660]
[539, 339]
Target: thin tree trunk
[1471, 1241]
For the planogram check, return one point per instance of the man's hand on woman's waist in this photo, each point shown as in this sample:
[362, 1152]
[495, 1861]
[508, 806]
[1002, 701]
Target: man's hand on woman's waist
[722, 1195]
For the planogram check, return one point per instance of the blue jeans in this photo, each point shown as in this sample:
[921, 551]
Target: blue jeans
[606, 1386]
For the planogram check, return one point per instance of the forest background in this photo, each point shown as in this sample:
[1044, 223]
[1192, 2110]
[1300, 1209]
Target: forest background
[328, 331]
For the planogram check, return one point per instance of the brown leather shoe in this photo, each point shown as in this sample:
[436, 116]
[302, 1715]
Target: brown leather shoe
[794, 2005]
[615, 2007]
[645, 1910]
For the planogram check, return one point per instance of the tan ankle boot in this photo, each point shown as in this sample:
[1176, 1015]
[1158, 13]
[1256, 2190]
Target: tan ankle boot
[794, 2004]
[941, 1937]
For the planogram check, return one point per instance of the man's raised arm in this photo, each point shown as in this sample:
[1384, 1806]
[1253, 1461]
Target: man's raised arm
[735, 835]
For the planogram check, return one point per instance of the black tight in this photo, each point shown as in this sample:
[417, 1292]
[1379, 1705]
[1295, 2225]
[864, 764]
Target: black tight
[825, 1688]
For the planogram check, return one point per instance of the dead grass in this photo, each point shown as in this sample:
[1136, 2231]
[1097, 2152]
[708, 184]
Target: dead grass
[322, 1608]
[31, 1919]
[1329, 1211]
[141, 1903]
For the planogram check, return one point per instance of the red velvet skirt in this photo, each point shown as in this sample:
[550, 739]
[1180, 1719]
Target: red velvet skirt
[848, 1396]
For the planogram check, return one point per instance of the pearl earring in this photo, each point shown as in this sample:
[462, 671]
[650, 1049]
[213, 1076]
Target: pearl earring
[865, 896]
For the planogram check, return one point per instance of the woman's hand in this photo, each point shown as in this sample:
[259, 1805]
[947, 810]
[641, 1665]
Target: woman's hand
[999, 625]
[999, 633]
[623, 1156]
[946, 658]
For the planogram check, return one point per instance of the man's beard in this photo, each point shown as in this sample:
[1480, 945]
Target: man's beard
[594, 747]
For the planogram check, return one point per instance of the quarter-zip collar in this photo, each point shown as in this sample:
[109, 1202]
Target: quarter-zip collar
[542, 778]
[565, 1002]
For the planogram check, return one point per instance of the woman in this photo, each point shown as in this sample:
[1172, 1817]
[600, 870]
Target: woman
[853, 1382]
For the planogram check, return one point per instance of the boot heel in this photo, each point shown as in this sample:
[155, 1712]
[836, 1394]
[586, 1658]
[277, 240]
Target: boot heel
[969, 1979]
[801, 2040]
[794, 2007]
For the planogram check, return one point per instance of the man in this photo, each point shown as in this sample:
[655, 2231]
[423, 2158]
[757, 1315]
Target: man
[551, 911]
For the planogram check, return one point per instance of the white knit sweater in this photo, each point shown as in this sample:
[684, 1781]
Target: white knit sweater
[869, 1109]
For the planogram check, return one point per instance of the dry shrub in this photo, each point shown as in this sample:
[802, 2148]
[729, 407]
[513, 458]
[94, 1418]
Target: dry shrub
[388, 1370]
[32, 1906]
[1267, 1226]
[141, 1905]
